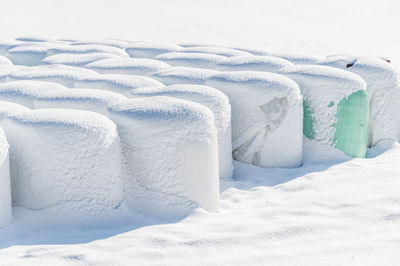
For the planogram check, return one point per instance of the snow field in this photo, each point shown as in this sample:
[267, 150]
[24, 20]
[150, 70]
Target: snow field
[5, 186]
[66, 161]
[170, 150]
[216, 101]
[267, 117]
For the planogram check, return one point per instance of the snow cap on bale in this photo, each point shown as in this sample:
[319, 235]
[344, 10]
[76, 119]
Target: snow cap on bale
[10, 108]
[266, 117]
[24, 92]
[383, 85]
[216, 101]
[132, 66]
[201, 60]
[81, 99]
[298, 58]
[150, 49]
[118, 83]
[253, 63]
[170, 154]
[5, 61]
[66, 162]
[65, 75]
[76, 59]
[216, 50]
[336, 110]
[184, 75]
[5, 186]
[87, 49]
[108, 42]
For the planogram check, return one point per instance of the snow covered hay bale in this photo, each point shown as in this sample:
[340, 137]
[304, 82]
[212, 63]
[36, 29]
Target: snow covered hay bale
[118, 83]
[170, 153]
[87, 49]
[150, 49]
[216, 101]
[5, 185]
[81, 99]
[108, 42]
[9, 108]
[24, 92]
[78, 60]
[65, 75]
[184, 75]
[64, 161]
[298, 58]
[267, 117]
[253, 63]
[201, 60]
[5, 61]
[383, 85]
[216, 50]
[336, 110]
[5, 70]
[132, 66]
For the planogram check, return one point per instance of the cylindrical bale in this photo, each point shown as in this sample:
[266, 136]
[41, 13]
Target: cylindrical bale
[383, 85]
[132, 66]
[24, 92]
[267, 117]
[216, 50]
[66, 162]
[216, 101]
[78, 60]
[150, 49]
[184, 75]
[298, 58]
[86, 49]
[253, 63]
[201, 60]
[336, 110]
[170, 153]
[81, 99]
[5, 186]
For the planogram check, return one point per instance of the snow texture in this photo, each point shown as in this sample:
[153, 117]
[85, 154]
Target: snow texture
[65, 161]
[109, 42]
[65, 75]
[118, 83]
[253, 63]
[133, 66]
[5, 186]
[298, 59]
[24, 92]
[217, 50]
[30, 54]
[323, 87]
[5, 61]
[78, 60]
[184, 75]
[216, 101]
[383, 84]
[82, 99]
[10, 108]
[86, 49]
[170, 153]
[202, 60]
[150, 49]
[267, 117]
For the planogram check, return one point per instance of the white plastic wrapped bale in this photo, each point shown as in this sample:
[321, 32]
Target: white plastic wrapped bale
[5, 61]
[201, 60]
[170, 153]
[24, 92]
[383, 84]
[132, 66]
[10, 108]
[86, 49]
[150, 49]
[78, 60]
[267, 117]
[253, 63]
[66, 162]
[5, 186]
[216, 101]
[298, 59]
[122, 84]
[82, 99]
[65, 75]
[30, 54]
[336, 110]
[184, 75]
[217, 50]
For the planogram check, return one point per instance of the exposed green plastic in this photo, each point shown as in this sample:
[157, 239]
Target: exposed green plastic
[351, 127]
[351, 134]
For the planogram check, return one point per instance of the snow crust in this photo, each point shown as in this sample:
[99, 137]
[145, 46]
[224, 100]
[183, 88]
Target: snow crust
[118, 83]
[184, 75]
[170, 154]
[66, 161]
[5, 186]
[201, 60]
[133, 66]
[267, 117]
[216, 101]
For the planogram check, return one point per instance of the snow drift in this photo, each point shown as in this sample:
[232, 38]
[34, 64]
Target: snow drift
[216, 101]
[267, 116]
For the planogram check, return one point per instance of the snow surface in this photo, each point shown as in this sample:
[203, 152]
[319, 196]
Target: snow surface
[253, 63]
[78, 60]
[170, 154]
[5, 61]
[267, 117]
[201, 60]
[5, 186]
[216, 101]
[184, 75]
[150, 49]
[222, 51]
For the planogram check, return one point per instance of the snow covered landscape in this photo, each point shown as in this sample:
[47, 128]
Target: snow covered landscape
[199, 132]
